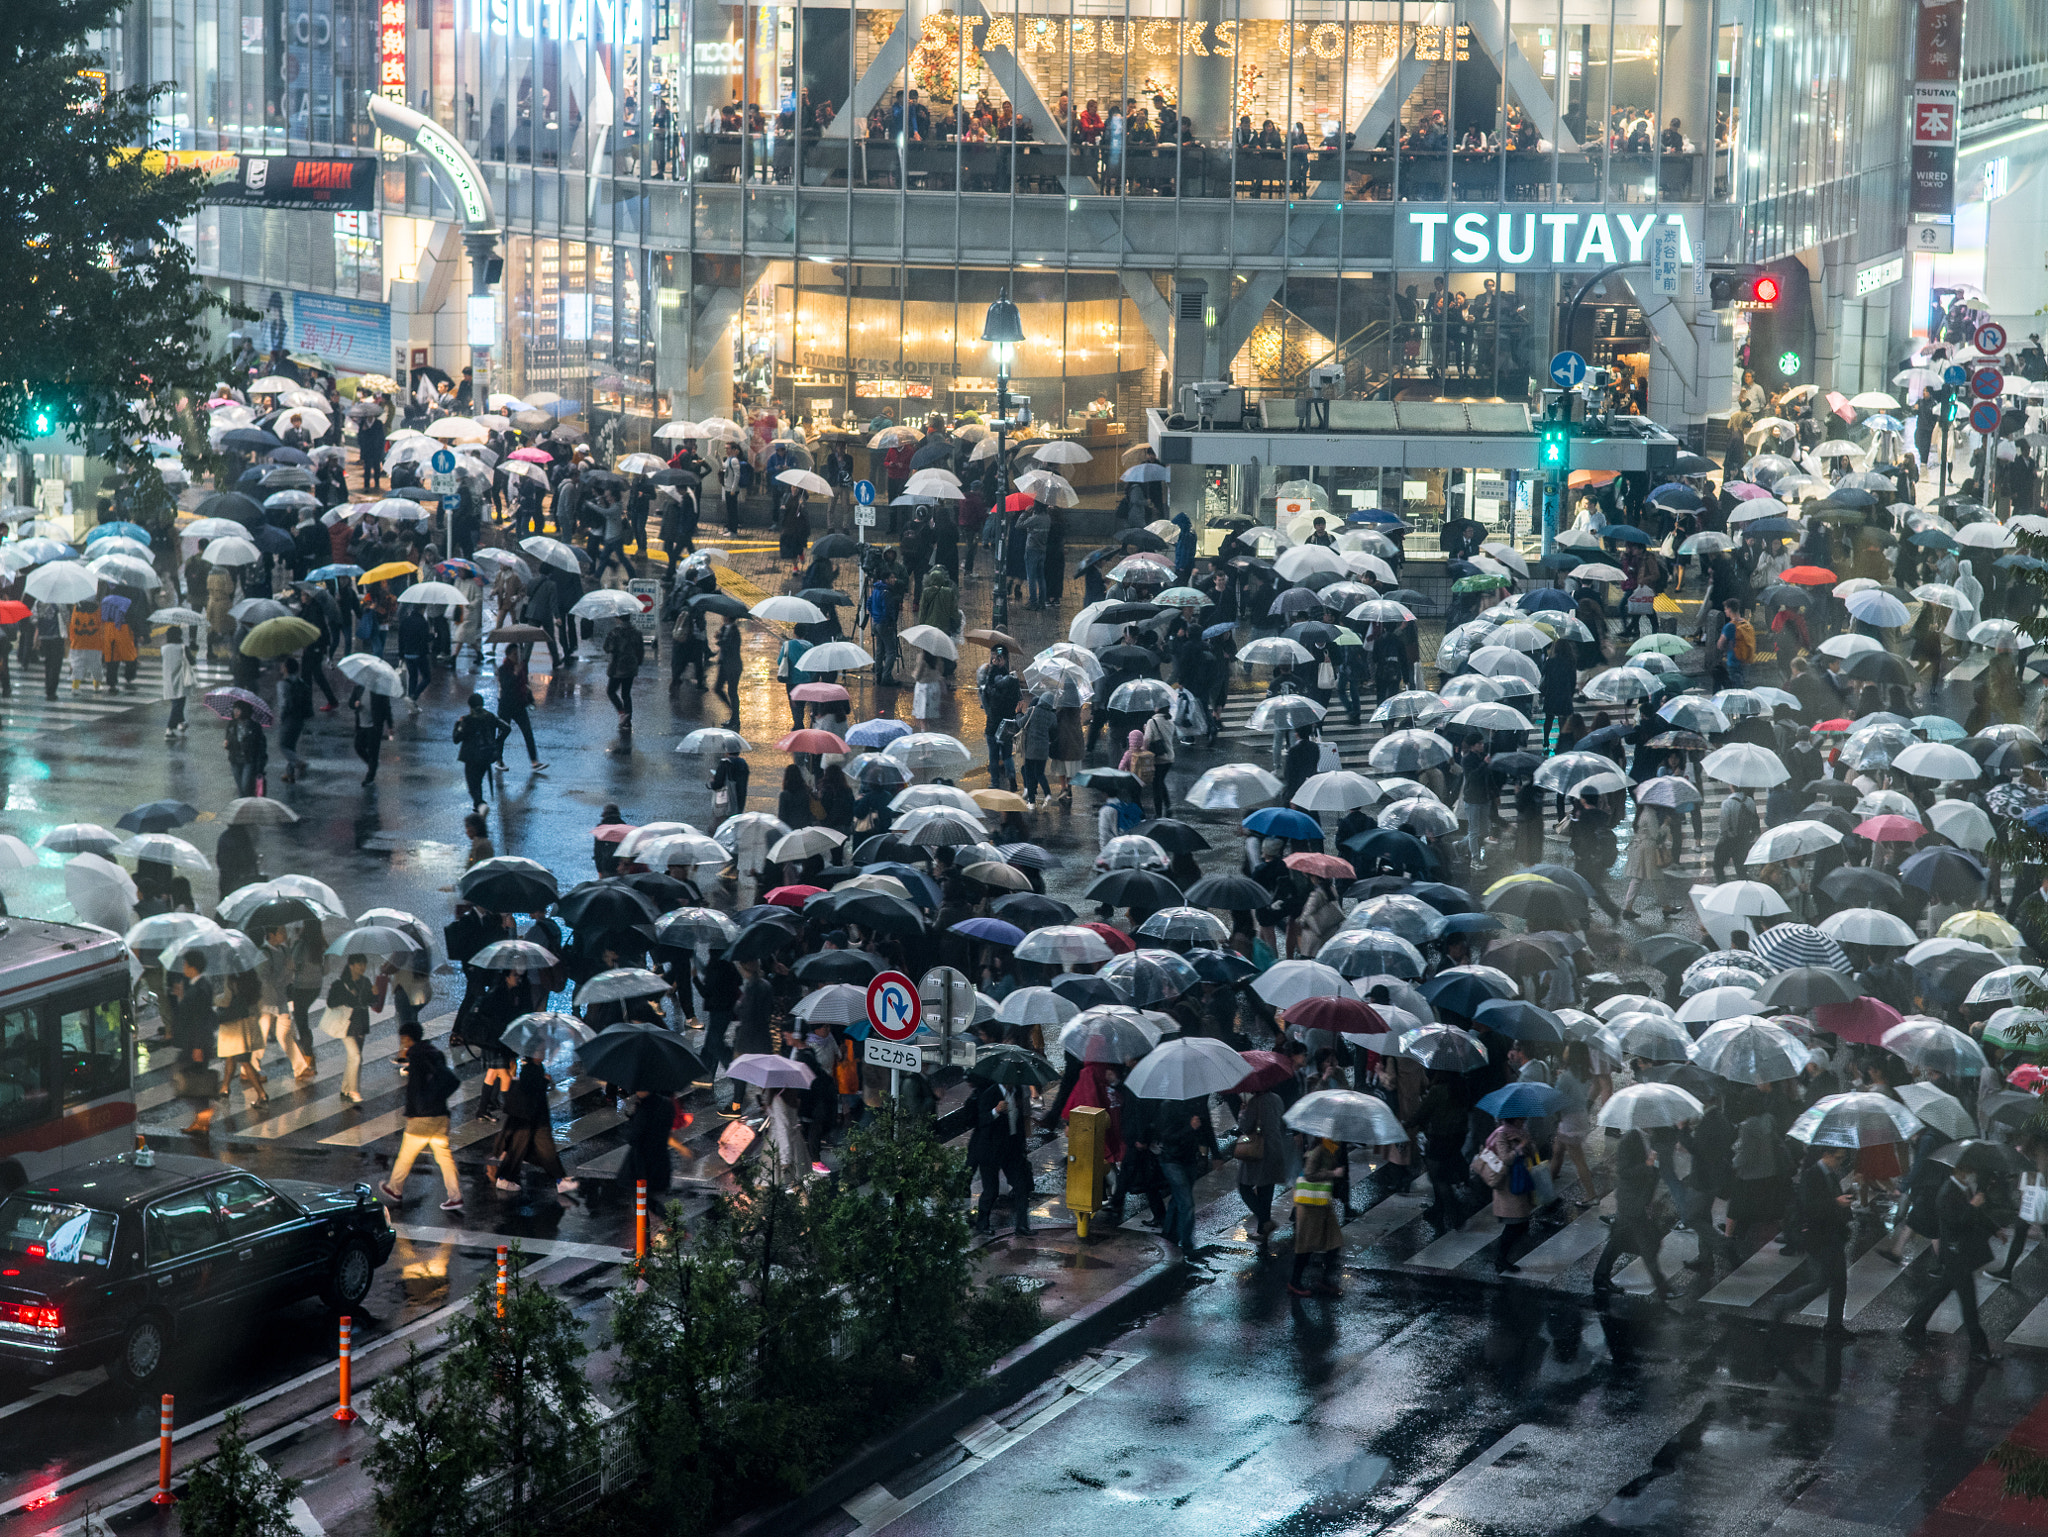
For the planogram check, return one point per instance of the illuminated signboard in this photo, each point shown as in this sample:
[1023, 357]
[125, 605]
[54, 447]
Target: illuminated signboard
[391, 69]
[560, 20]
[434, 142]
[1586, 238]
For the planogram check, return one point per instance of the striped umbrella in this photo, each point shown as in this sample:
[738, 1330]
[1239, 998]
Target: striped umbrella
[1799, 944]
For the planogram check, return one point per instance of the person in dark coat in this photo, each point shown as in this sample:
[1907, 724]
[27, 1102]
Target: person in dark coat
[192, 1025]
[1560, 684]
[1638, 1228]
[1303, 757]
[1820, 1215]
[1966, 1225]
[1711, 1143]
[996, 1148]
[647, 1154]
[528, 1133]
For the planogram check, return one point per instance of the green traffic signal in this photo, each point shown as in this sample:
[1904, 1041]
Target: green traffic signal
[1554, 446]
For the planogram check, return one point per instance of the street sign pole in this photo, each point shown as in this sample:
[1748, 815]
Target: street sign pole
[894, 1013]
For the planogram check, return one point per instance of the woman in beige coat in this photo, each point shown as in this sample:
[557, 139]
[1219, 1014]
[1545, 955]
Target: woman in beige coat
[1316, 1229]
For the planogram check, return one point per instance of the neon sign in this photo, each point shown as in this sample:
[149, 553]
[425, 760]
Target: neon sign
[391, 63]
[1589, 238]
[561, 21]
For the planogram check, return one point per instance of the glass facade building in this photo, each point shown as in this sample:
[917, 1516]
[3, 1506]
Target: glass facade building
[706, 205]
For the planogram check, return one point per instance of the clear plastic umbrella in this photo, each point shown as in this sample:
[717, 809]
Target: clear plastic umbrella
[1192, 1067]
[1649, 1107]
[1748, 1049]
[1854, 1120]
[1344, 1115]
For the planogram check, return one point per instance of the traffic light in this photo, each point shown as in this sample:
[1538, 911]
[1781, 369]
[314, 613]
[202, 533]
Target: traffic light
[1554, 447]
[1750, 286]
[42, 421]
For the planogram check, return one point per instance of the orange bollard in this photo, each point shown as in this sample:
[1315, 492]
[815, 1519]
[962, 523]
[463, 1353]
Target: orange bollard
[504, 1269]
[345, 1411]
[163, 1494]
[640, 1219]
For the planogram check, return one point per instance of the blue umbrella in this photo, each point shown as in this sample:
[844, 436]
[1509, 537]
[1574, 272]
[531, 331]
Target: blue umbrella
[1473, 923]
[1543, 598]
[1884, 424]
[2018, 562]
[563, 407]
[331, 573]
[1284, 822]
[1221, 965]
[287, 455]
[1458, 992]
[1378, 515]
[1771, 526]
[1625, 533]
[1561, 559]
[118, 529]
[1215, 630]
[1520, 1020]
[993, 930]
[876, 733]
[1933, 539]
[924, 891]
[1520, 1100]
[1673, 494]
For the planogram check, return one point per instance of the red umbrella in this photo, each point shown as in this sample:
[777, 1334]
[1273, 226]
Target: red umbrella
[1843, 725]
[820, 693]
[1322, 864]
[1809, 576]
[2028, 1077]
[811, 741]
[612, 832]
[1115, 938]
[12, 612]
[1340, 1016]
[1021, 501]
[1268, 1070]
[1891, 828]
[1863, 1020]
[792, 896]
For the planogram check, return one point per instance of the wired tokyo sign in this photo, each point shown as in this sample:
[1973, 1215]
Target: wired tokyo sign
[1586, 238]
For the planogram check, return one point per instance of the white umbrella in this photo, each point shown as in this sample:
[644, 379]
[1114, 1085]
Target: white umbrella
[931, 639]
[1649, 1107]
[1944, 1112]
[1192, 1067]
[929, 750]
[448, 595]
[1042, 1006]
[1651, 1037]
[1789, 840]
[230, 552]
[1232, 787]
[922, 797]
[1935, 1046]
[1060, 451]
[1717, 1003]
[66, 582]
[1746, 765]
[1878, 608]
[164, 849]
[551, 552]
[1345, 1115]
[836, 656]
[1937, 760]
[806, 480]
[1748, 1049]
[769, 1071]
[1062, 944]
[1854, 1120]
[1868, 926]
[125, 571]
[1966, 824]
[805, 842]
[1338, 790]
[1288, 982]
[786, 609]
[376, 676]
[1308, 559]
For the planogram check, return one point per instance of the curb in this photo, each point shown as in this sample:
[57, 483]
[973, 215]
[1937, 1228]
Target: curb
[1025, 1367]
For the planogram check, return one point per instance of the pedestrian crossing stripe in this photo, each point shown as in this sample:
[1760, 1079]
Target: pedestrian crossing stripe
[26, 712]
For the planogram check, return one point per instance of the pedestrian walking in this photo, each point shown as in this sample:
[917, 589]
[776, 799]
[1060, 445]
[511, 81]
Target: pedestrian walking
[1260, 1153]
[479, 736]
[647, 1158]
[349, 1002]
[730, 661]
[248, 751]
[1966, 1224]
[1317, 1232]
[192, 1034]
[515, 704]
[527, 1135]
[416, 650]
[88, 648]
[997, 1150]
[429, 1081]
[238, 1035]
[176, 682]
[1503, 1166]
[1639, 1224]
[295, 708]
[1183, 1145]
[1820, 1221]
[371, 733]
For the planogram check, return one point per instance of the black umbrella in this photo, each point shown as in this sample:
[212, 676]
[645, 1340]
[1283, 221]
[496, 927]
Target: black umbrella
[1459, 992]
[231, 505]
[1445, 899]
[1310, 632]
[1541, 904]
[1173, 835]
[875, 910]
[761, 942]
[1086, 991]
[1879, 667]
[1841, 792]
[1117, 782]
[635, 1056]
[422, 494]
[661, 888]
[1520, 1020]
[278, 912]
[157, 817]
[1694, 464]
[1515, 764]
[605, 904]
[936, 449]
[1145, 889]
[1013, 1065]
[1220, 965]
[824, 966]
[1861, 886]
[719, 603]
[1097, 557]
[826, 597]
[1128, 613]
[499, 887]
[250, 440]
[1670, 953]
[884, 847]
[1228, 893]
[1030, 910]
[1945, 874]
[2010, 755]
[1140, 539]
[1806, 987]
[271, 541]
[1834, 816]
[834, 547]
[1404, 851]
[1973, 1155]
[1946, 978]
[1599, 741]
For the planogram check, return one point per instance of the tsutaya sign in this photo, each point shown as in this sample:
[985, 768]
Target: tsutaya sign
[1588, 236]
[618, 21]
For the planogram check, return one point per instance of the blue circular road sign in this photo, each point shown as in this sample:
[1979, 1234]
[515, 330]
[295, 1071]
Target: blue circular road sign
[1987, 384]
[1567, 370]
[1984, 416]
[864, 492]
[443, 462]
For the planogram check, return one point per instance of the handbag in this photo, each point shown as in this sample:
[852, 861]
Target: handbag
[334, 1021]
[1490, 1167]
[1326, 676]
[1251, 1147]
[2033, 1199]
[1542, 1186]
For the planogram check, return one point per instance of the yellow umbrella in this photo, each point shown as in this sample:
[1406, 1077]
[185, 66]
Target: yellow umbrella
[1000, 800]
[1986, 929]
[387, 571]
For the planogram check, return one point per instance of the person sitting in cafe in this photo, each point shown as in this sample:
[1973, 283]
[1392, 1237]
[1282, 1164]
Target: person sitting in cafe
[1269, 136]
[1139, 133]
[1089, 122]
[1247, 136]
[1674, 138]
[1168, 121]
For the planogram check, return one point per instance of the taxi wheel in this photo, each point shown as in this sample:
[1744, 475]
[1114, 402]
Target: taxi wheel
[348, 1283]
[145, 1349]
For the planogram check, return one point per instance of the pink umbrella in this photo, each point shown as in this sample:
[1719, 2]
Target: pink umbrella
[1743, 490]
[1891, 828]
[1863, 1020]
[1839, 404]
[531, 456]
[820, 693]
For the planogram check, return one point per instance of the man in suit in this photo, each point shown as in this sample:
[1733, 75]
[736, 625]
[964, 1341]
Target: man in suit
[1962, 1248]
[1820, 1215]
[996, 1147]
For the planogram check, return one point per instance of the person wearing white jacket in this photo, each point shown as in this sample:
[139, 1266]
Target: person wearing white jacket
[177, 683]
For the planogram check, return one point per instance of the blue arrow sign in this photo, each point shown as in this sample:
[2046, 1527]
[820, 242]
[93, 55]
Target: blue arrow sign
[1567, 370]
[864, 492]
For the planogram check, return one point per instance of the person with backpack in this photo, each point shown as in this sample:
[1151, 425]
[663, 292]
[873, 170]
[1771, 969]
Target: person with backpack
[1739, 827]
[1159, 742]
[1735, 648]
[1821, 1222]
[624, 652]
[1001, 692]
[1502, 1165]
[429, 1081]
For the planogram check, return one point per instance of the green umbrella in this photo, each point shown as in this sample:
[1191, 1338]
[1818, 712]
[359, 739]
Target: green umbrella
[1667, 645]
[1484, 581]
[1349, 638]
[279, 637]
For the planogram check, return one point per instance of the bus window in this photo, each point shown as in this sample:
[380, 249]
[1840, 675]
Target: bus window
[24, 1085]
[95, 1054]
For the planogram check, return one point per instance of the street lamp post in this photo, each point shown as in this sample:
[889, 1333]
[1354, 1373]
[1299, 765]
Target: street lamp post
[1003, 330]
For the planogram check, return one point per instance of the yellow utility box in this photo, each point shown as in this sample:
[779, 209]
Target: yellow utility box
[1087, 1164]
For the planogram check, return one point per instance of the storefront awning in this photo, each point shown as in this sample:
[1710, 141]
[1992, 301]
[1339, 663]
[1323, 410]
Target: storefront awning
[1421, 435]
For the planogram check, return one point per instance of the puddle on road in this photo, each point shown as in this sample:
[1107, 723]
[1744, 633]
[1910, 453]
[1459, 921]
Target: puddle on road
[1058, 1257]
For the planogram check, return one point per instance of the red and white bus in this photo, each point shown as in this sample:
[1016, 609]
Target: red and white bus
[67, 1046]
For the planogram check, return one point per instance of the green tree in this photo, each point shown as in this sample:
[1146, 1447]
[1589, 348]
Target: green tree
[99, 306]
[430, 1444]
[235, 1493]
[524, 1374]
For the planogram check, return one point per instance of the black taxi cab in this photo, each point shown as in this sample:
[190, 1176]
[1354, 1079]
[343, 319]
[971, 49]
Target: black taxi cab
[111, 1261]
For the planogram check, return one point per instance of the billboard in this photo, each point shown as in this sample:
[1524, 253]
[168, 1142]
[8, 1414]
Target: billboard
[338, 184]
[352, 334]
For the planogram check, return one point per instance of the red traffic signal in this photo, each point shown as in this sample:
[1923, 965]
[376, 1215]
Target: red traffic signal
[1764, 290]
